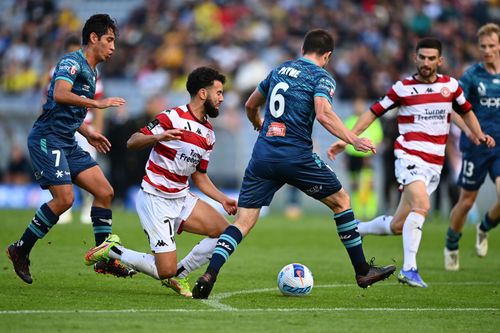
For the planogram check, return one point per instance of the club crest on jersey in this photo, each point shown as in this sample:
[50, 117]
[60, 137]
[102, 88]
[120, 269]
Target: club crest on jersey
[209, 139]
[276, 129]
[445, 92]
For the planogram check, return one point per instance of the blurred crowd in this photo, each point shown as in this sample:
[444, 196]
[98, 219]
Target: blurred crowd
[161, 41]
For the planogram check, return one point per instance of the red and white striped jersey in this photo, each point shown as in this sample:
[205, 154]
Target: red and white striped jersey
[172, 162]
[424, 115]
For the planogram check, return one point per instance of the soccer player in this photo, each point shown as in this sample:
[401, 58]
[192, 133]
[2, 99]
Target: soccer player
[481, 85]
[57, 159]
[182, 140]
[296, 92]
[425, 101]
[94, 120]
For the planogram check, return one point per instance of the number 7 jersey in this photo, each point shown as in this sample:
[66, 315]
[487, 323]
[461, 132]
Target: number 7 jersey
[290, 89]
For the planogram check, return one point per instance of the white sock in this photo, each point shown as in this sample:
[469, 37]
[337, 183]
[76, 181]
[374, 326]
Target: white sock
[199, 255]
[381, 225]
[412, 234]
[141, 262]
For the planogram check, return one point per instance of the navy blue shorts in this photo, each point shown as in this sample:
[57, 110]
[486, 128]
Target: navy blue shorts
[476, 164]
[54, 165]
[263, 178]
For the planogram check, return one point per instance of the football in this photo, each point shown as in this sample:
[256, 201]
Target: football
[295, 280]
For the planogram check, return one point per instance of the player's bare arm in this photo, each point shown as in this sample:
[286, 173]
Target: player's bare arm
[479, 137]
[252, 106]
[332, 123]
[364, 121]
[205, 185]
[139, 140]
[63, 95]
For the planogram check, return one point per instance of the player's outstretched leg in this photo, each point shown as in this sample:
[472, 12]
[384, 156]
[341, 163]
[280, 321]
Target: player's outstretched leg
[114, 267]
[374, 275]
[103, 264]
[179, 285]
[366, 273]
[101, 252]
[226, 245]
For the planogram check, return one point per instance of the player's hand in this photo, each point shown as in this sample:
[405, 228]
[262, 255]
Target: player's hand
[99, 142]
[364, 145]
[171, 134]
[230, 206]
[110, 101]
[488, 141]
[257, 125]
[335, 149]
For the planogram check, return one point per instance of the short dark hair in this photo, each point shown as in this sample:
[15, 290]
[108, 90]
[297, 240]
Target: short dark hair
[429, 43]
[100, 24]
[203, 77]
[318, 41]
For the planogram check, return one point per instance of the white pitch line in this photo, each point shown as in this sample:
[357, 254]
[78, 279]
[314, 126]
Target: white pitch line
[267, 310]
[215, 300]
[216, 306]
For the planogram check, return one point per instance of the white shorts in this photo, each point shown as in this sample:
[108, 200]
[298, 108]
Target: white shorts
[408, 171]
[85, 145]
[161, 218]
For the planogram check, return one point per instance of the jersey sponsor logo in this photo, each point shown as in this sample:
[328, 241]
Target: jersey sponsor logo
[59, 174]
[276, 129]
[445, 92]
[491, 102]
[193, 158]
[38, 175]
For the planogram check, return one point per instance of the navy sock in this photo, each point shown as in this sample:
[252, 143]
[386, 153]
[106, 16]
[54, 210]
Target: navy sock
[452, 239]
[487, 224]
[226, 245]
[101, 221]
[348, 233]
[40, 225]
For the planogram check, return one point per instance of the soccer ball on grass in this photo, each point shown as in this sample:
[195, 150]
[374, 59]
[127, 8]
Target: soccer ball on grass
[295, 280]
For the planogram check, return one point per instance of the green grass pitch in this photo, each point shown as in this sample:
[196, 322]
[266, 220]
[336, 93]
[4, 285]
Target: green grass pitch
[67, 296]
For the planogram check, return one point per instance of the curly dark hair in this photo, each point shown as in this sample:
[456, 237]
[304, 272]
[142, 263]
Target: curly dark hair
[202, 77]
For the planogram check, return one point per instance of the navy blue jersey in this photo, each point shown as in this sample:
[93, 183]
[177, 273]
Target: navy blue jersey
[60, 121]
[289, 113]
[482, 90]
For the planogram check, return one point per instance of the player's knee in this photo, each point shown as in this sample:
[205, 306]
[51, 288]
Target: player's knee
[218, 229]
[339, 201]
[105, 194]
[166, 272]
[64, 202]
[466, 203]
